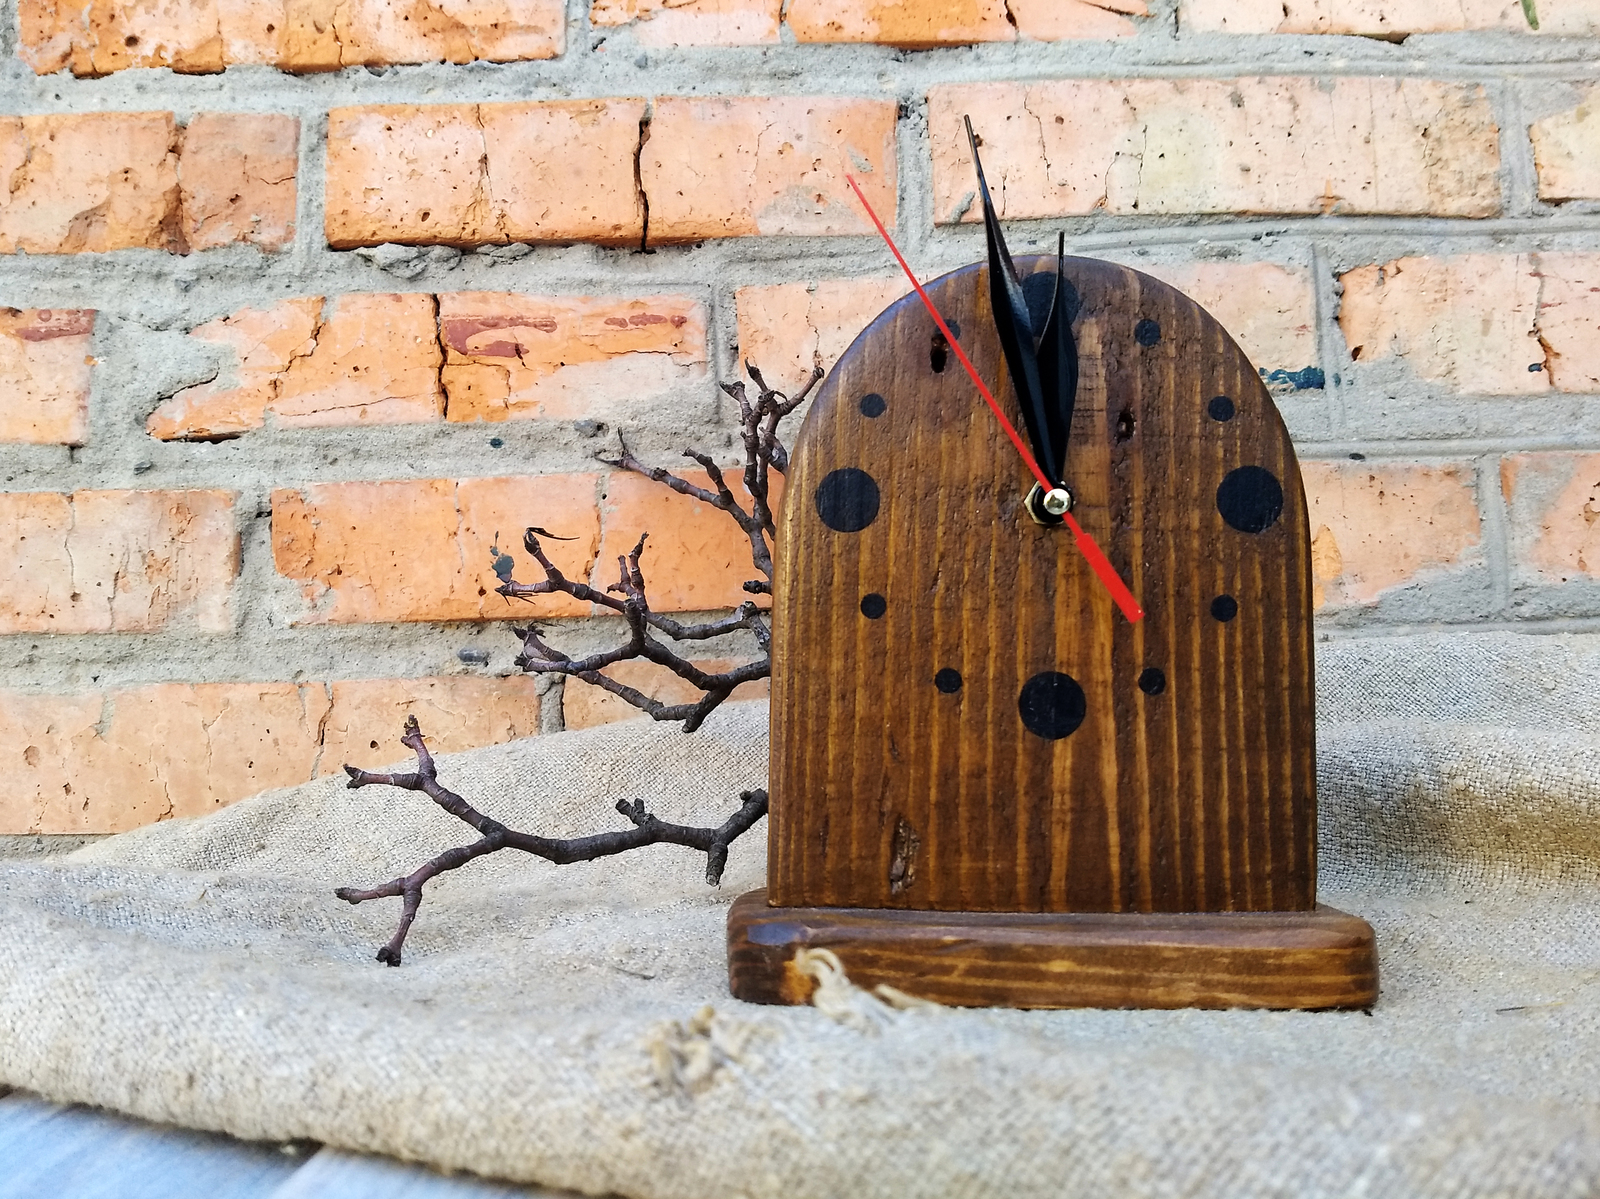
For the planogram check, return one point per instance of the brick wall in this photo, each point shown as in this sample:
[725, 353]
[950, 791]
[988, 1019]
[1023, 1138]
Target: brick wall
[305, 307]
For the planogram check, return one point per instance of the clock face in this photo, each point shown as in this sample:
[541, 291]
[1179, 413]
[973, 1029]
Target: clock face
[961, 717]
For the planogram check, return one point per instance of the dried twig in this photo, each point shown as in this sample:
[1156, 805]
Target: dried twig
[764, 453]
[646, 830]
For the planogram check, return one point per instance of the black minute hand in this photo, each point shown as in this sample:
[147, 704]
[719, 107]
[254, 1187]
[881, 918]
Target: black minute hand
[1058, 364]
[1015, 327]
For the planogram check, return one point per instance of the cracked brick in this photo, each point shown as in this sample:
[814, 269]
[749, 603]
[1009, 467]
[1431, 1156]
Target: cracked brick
[744, 166]
[476, 174]
[85, 182]
[99, 38]
[1483, 324]
[237, 176]
[1154, 146]
[117, 561]
[960, 22]
[44, 375]
[514, 357]
[666, 23]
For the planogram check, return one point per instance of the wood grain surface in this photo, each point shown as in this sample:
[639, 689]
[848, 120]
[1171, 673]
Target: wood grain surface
[1320, 958]
[889, 791]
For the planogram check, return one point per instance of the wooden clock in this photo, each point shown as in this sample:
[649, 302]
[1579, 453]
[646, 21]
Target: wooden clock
[1046, 747]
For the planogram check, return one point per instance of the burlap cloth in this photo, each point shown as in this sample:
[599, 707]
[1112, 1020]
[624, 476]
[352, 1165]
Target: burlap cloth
[544, 1026]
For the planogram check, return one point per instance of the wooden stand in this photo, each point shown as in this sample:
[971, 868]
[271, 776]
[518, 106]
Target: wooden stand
[1321, 958]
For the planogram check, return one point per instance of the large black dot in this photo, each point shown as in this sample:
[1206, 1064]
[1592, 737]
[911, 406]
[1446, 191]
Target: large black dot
[1052, 705]
[1224, 608]
[1220, 408]
[873, 606]
[1147, 332]
[1152, 681]
[847, 500]
[1250, 499]
[948, 681]
[873, 404]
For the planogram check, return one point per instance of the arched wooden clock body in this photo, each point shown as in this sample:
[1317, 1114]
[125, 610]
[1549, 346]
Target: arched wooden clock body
[962, 721]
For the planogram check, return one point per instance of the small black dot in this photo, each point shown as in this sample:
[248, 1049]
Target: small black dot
[1224, 608]
[1250, 499]
[1052, 705]
[873, 404]
[873, 606]
[847, 500]
[948, 681]
[1125, 425]
[1147, 332]
[1152, 681]
[1220, 408]
[496, 442]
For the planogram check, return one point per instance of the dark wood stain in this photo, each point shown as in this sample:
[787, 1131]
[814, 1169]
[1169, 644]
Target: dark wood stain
[1198, 799]
[1320, 958]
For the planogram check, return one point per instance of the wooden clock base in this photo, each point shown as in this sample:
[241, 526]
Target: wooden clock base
[1322, 958]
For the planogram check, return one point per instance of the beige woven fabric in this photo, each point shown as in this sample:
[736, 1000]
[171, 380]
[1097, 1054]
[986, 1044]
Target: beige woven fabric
[551, 1024]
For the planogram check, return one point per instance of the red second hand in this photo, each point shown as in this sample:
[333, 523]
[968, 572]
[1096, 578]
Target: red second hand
[1087, 546]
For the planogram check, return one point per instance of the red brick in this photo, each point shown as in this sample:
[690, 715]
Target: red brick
[1269, 309]
[1553, 509]
[237, 174]
[1569, 320]
[44, 375]
[106, 762]
[1384, 18]
[1470, 321]
[513, 357]
[784, 327]
[696, 558]
[736, 167]
[419, 549]
[302, 35]
[116, 561]
[1376, 527]
[99, 37]
[691, 22]
[1153, 146]
[584, 705]
[1490, 324]
[364, 358]
[1566, 150]
[89, 182]
[468, 174]
[959, 22]
[455, 712]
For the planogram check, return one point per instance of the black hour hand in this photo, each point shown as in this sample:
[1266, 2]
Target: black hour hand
[1016, 332]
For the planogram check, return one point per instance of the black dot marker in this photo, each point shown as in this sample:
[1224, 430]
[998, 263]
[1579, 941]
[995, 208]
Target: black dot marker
[1147, 332]
[948, 681]
[1224, 608]
[1250, 499]
[847, 500]
[873, 404]
[1152, 681]
[873, 606]
[1220, 408]
[1052, 705]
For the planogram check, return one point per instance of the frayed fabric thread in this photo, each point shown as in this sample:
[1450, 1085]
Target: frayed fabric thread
[836, 997]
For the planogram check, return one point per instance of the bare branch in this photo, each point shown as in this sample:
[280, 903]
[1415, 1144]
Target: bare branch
[647, 830]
